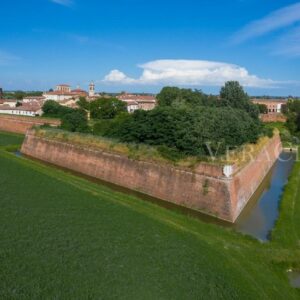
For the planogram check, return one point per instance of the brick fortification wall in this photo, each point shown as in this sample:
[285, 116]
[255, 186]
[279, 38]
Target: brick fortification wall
[205, 189]
[273, 117]
[19, 124]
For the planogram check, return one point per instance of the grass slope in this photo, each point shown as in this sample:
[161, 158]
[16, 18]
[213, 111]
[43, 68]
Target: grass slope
[8, 139]
[65, 237]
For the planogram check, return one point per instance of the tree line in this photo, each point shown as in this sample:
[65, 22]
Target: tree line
[184, 122]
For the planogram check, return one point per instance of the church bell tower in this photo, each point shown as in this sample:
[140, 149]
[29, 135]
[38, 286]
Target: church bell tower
[92, 89]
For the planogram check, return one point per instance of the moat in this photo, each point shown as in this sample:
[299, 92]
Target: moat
[262, 211]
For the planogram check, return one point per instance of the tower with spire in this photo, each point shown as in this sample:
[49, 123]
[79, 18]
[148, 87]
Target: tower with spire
[92, 89]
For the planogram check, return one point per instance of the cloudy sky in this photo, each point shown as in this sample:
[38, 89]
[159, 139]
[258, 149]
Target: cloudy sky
[137, 45]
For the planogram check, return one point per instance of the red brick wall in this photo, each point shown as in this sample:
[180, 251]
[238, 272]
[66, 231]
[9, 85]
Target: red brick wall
[204, 189]
[21, 124]
[267, 118]
[247, 179]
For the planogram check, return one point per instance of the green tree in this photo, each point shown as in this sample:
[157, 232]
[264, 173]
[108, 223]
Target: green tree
[53, 109]
[75, 121]
[104, 108]
[263, 109]
[176, 97]
[233, 95]
[189, 130]
[83, 103]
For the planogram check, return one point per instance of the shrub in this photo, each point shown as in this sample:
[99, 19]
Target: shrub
[75, 121]
[191, 131]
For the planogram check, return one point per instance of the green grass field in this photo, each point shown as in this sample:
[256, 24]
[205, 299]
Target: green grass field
[63, 237]
[8, 139]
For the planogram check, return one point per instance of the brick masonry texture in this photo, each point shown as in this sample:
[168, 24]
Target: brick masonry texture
[19, 124]
[205, 189]
[267, 118]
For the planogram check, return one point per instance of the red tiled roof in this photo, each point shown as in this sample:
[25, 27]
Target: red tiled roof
[33, 97]
[10, 100]
[138, 98]
[21, 108]
[131, 102]
[269, 101]
[63, 93]
[79, 91]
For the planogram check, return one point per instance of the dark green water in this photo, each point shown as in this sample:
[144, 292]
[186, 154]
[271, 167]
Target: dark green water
[259, 216]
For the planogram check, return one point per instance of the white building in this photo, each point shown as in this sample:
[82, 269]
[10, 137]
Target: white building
[57, 96]
[132, 106]
[9, 102]
[64, 92]
[92, 89]
[24, 110]
[65, 88]
[134, 102]
[34, 99]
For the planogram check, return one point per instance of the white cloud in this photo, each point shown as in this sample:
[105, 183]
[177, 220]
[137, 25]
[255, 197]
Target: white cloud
[116, 76]
[281, 18]
[189, 73]
[7, 58]
[63, 2]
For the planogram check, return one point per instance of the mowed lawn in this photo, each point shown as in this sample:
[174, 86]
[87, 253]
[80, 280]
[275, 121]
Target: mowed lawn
[7, 139]
[63, 237]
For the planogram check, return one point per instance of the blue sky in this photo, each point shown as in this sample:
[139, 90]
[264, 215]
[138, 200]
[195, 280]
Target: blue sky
[137, 45]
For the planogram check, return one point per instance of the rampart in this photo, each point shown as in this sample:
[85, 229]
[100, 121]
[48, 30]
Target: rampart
[19, 124]
[273, 117]
[221, 191]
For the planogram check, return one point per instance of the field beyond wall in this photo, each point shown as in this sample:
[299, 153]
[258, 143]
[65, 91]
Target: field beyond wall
[67, 238]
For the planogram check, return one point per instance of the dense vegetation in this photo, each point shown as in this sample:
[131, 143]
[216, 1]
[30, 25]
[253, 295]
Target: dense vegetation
[189, 122]
[189, 131]
[19, 95]
[292, 111]
[72, 119]
[76, 119]
[103, 108]
[63, 237]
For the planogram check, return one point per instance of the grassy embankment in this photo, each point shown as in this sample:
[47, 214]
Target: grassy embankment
[65, 237]
[151, 153]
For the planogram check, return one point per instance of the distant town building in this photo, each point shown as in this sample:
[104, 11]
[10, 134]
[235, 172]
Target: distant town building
[69, 103]
[135, 102]
[63, 88]
[29, 106]
[24, 110]
[92, 89]
[273, 105]
[9, 102]
[63, 92]
[34, 99]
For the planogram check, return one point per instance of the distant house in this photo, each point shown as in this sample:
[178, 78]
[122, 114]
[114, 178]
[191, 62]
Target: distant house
[134, 102]
[132, 106]
[273, 105]
[9, 102]
[24, 110]
[69, 103]
[34, 99]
